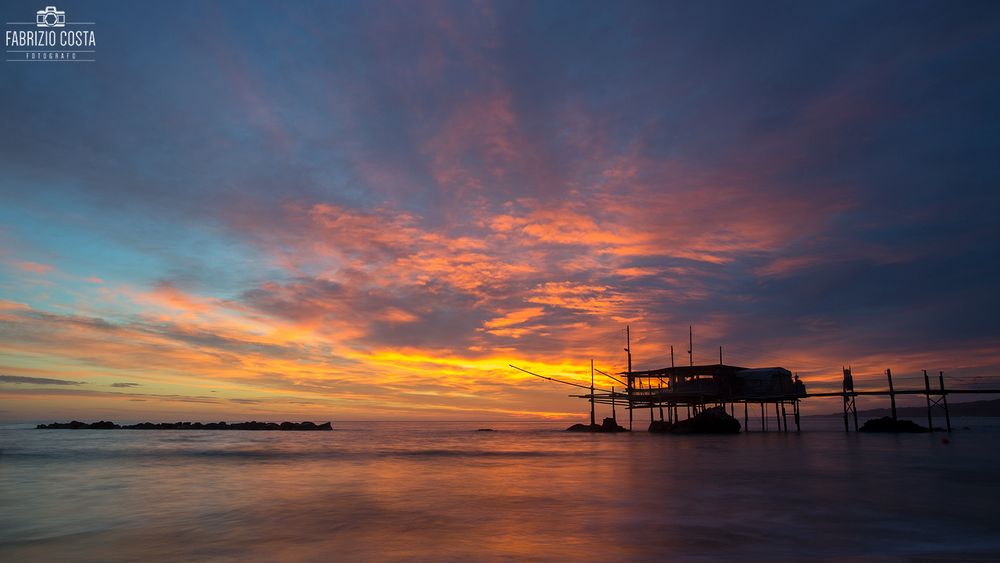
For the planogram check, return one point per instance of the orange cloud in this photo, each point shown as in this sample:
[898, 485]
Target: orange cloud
[168, 296]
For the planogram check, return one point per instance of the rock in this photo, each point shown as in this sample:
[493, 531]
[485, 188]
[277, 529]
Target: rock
[658, 426]
[608, 425]
[888, 424]
[709, 421]
[611, 425]
[104, 425]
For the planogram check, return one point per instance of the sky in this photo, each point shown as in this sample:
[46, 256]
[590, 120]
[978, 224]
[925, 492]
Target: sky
[367, 210]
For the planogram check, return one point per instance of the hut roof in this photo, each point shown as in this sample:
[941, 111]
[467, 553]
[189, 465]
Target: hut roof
[716, 370]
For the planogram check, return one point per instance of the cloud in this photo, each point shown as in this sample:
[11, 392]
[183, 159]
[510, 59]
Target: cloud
[18, 379]
[34, 267]
[124, 384]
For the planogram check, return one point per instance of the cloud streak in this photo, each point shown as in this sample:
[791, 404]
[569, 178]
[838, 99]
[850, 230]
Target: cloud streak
[20, 379]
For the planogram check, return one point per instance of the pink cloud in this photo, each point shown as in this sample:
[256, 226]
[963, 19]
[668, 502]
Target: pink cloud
[34, 267]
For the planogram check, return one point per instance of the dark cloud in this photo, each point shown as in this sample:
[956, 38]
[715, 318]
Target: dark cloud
[19, 379]
[113, 395]
[125, 384]
[245, 401]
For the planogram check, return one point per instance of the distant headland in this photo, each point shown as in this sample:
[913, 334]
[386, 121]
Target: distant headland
[252, 425]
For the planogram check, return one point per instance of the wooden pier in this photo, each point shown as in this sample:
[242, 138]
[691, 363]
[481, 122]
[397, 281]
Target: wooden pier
[677, 393]
[936, 398]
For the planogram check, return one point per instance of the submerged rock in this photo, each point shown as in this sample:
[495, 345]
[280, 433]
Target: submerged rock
[708, 421]
[889, 424]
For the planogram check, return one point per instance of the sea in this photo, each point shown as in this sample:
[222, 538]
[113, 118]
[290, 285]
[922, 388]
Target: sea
[525, 491]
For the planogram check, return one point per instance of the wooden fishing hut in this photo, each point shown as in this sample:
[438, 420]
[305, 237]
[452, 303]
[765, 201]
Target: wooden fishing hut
[681, 392]
[685, 391]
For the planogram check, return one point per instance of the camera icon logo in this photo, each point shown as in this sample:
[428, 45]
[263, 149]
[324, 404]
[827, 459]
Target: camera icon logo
[50, 17]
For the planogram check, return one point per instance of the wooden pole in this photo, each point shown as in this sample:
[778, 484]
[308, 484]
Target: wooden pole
[784, 420]
[854, 411]
[777, 416]
[944, 400]
[746, 417]
[848, 386]
[614, 415]
[892, 393]
[672, 408]
[551, 378]
[593, 419]
[609, 376]
[927, 394]
[720, 355]
[650, 387]
[690, 345]
[660, 400]
[628, 352]
[763, 418]
[797, 427]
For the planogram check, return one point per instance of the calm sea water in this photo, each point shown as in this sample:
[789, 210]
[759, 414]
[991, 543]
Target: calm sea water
[442, 491]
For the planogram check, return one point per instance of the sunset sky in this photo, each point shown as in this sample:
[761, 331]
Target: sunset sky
[366, 210]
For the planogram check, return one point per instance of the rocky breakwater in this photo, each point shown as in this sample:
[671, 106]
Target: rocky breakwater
[252, 425]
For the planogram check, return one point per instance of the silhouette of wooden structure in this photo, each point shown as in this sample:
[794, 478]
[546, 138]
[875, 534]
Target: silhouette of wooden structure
[680, 392]
[685, 391]
[936, 398]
